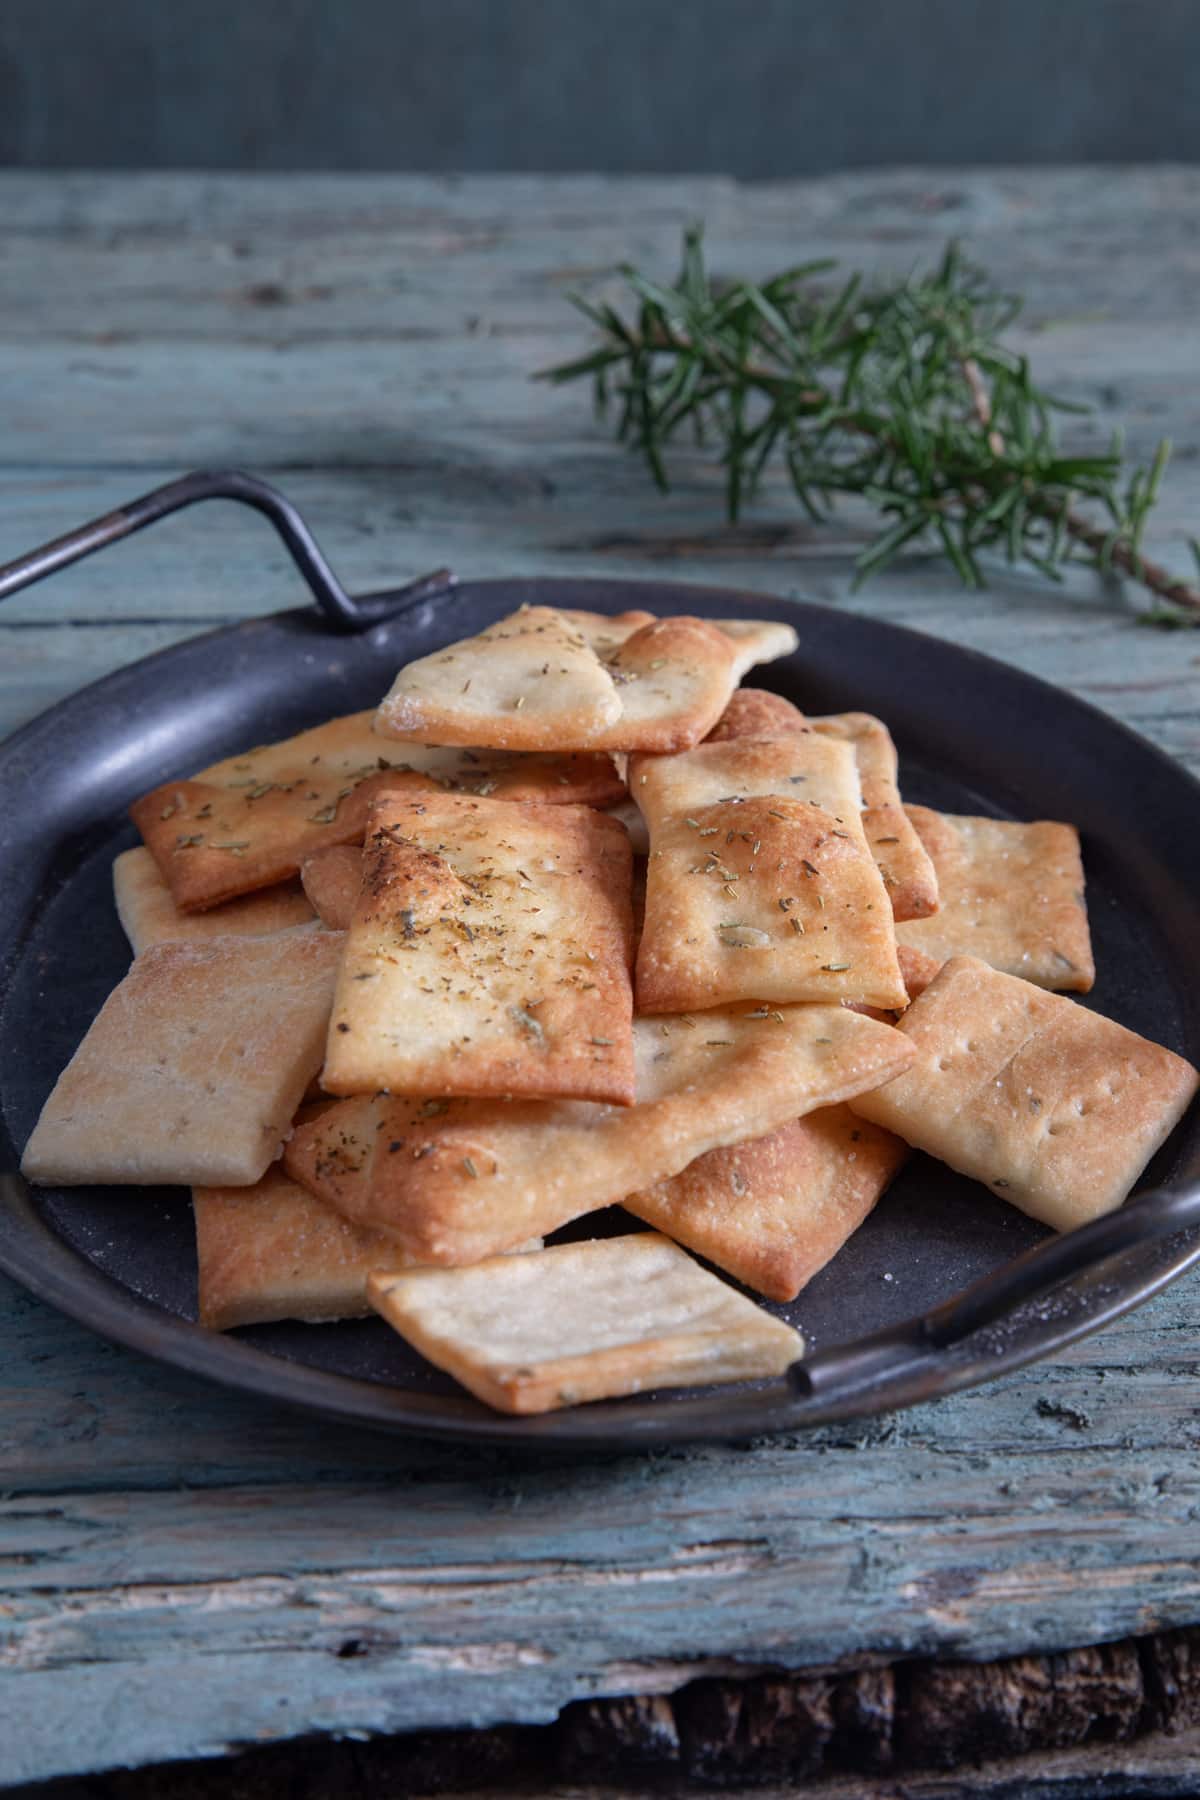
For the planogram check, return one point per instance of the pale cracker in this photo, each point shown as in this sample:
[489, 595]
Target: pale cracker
[773, 1210]
[542, 678]
[468, 1178]
[250, 821]
[194, 1067]
[150, 916]
[1052, 1106]
[904, 863]
[760, 882]
[489, 954]
[1011, 894]
[274, 1251]
[586, 1321]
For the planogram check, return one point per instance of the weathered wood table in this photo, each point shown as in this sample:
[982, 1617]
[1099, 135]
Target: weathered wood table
[186, 1572]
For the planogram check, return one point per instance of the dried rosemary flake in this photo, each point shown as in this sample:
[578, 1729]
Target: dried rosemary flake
[470, 1169]
[602, 1041]
[797, 925]
[528, 1023]
[889, 840]
[835, 968]
[168, 812]
[326, 816]
[808, 867]
[518, 703]
[717, 1043]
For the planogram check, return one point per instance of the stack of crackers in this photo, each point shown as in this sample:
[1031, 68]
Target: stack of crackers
[572, 920]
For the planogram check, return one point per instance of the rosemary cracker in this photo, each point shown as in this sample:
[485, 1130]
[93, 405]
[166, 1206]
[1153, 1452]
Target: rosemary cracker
[489, 954]
[194, 1067]
[580, 1322]
[760, 881]
[1011, 894]
[541, 679]
[773, 1210]
[250, 821]
[457, 1180]
[904, 863]
[1051, 1106]
[274, 1251]
[149, 916]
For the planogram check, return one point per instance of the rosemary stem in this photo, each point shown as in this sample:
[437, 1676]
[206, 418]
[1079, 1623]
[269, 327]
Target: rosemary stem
[1122, 555]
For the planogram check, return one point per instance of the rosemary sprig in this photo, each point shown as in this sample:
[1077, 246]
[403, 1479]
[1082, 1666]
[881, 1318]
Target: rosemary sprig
[905, 396]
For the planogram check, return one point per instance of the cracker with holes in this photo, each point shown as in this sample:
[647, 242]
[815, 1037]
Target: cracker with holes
[903, 860]
[1051, 1106]
[274, 1251]
[542, 679]
[760, 881]
[194, 1067]
[489, 954]
[149, 916]
[457, 1180]
[1011, 894]
[251, 820]
[773, 1210]
[583, 1322]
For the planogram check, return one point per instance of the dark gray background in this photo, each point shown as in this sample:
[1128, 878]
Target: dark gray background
[753, 88]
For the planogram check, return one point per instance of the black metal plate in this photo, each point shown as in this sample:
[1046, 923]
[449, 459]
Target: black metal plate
[974, 736]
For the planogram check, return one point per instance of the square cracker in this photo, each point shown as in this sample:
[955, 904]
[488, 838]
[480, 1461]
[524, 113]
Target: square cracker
[773, 1210]
[1052, 1106]
[457, 1180]
[542, 678]
[150, 916]
[1011, 894]
[194, 1066]
[274, 1251]
[583, 1322]
[903, 860]
[489, 954]
[251, 820]
[760, 882]
[332, 882]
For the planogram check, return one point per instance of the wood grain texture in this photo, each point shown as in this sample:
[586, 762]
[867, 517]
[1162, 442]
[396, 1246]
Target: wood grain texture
[181, 1570]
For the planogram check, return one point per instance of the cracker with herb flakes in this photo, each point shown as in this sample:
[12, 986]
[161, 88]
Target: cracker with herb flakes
[194, 1067]
[904, 863]
[456, 1180]
[771, 1211]
[541, 678]
[1011, 894]
[149, 916]
[1053, 1107]
[581, 1322]
[251, 820]
[760, 881]
[274, 1251]
[489, 954]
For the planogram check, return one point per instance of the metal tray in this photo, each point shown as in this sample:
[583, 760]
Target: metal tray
[886, 1323]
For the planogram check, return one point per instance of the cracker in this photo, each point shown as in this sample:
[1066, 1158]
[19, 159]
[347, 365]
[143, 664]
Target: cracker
[251, 820]
[581, 1322]
[1011, 894]
[1051, 1106]
[457, 1180]
[194, 1067]
[917, 967]
[150, 916]
[761, 884]
[489, 954]
[543, 678]
[332, 881]
[531, 681]
[904, 863]
[773, 1210]
[274, 1251]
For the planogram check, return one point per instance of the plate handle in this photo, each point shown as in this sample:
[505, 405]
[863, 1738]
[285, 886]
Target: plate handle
[1033, 1274]
[343, 613]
